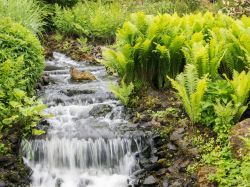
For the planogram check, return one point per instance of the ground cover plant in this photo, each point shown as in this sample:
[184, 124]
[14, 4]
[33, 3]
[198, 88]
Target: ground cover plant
[26, 12]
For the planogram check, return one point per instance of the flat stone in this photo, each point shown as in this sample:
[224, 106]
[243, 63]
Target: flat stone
[150, 181]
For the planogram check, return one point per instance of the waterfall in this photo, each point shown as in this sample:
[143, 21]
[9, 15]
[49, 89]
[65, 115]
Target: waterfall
[81, 150]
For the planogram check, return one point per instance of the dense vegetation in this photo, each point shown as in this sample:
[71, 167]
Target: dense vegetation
[21, 64]
[181, 45]
[206, 59]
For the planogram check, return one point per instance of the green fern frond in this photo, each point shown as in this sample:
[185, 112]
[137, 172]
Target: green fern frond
[191, 90]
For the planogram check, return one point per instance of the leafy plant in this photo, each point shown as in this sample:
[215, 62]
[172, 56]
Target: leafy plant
[94, 20]
[16, 107]
[241, 86]
[17, 41]
[191, 90]
[229, 170]
[205, 56]
[26, 12]
[123, 92]
[83, 45]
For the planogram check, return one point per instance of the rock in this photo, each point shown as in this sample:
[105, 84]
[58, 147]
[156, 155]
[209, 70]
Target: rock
[2, 184]
[71, 93]
[176, 184]
[80, 76]
[51, 68]
[150, 181]
[203, 175]
[100, 110]
[239, 131]
[59, 181]
[171, 147]
[177, 135]
[138, 172]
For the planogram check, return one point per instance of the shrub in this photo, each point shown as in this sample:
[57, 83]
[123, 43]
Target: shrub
[26, 12]
[90, 19]
[15, 105]
[17, 41]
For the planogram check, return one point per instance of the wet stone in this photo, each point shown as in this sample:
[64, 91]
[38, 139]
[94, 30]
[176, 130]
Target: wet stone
[150, 181]
[100, 110]
[71, 93]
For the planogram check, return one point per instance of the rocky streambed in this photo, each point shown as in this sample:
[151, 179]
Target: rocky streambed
[90, 140]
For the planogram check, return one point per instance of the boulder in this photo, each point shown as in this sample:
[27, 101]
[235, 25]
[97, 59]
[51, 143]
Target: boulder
[78, 75]
[203, 175]
[239, 131]
[100, 110]
[150, 181]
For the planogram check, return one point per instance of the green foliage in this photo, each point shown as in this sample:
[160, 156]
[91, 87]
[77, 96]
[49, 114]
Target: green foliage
[191, 90]
[150, 47]
[225, 102]
[26, 12]
[241, 86]
[16, 107]
[229, 171]
[90, 19]
[205, 56]
[63, 3]
[123, 92]
[17, 41]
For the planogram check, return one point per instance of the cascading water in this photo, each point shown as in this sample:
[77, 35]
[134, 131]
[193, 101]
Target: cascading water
[80, 150]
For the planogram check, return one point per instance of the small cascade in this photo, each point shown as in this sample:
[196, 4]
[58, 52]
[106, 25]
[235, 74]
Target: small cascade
[83, 148]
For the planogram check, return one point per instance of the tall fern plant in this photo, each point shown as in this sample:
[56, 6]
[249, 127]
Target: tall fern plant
[241, 86]
[190, 88]
[206, 57]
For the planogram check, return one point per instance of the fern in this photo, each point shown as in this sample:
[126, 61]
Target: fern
[241, 86]
[123, 92]
[205, 56]
[191, 90]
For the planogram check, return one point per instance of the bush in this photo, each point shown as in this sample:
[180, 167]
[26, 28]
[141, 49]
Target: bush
[21, 64]
[17, 108]
[90, 19]
[26, 12]
[17, 41]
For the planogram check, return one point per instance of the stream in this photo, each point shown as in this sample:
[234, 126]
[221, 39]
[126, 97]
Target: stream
[89, 142]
